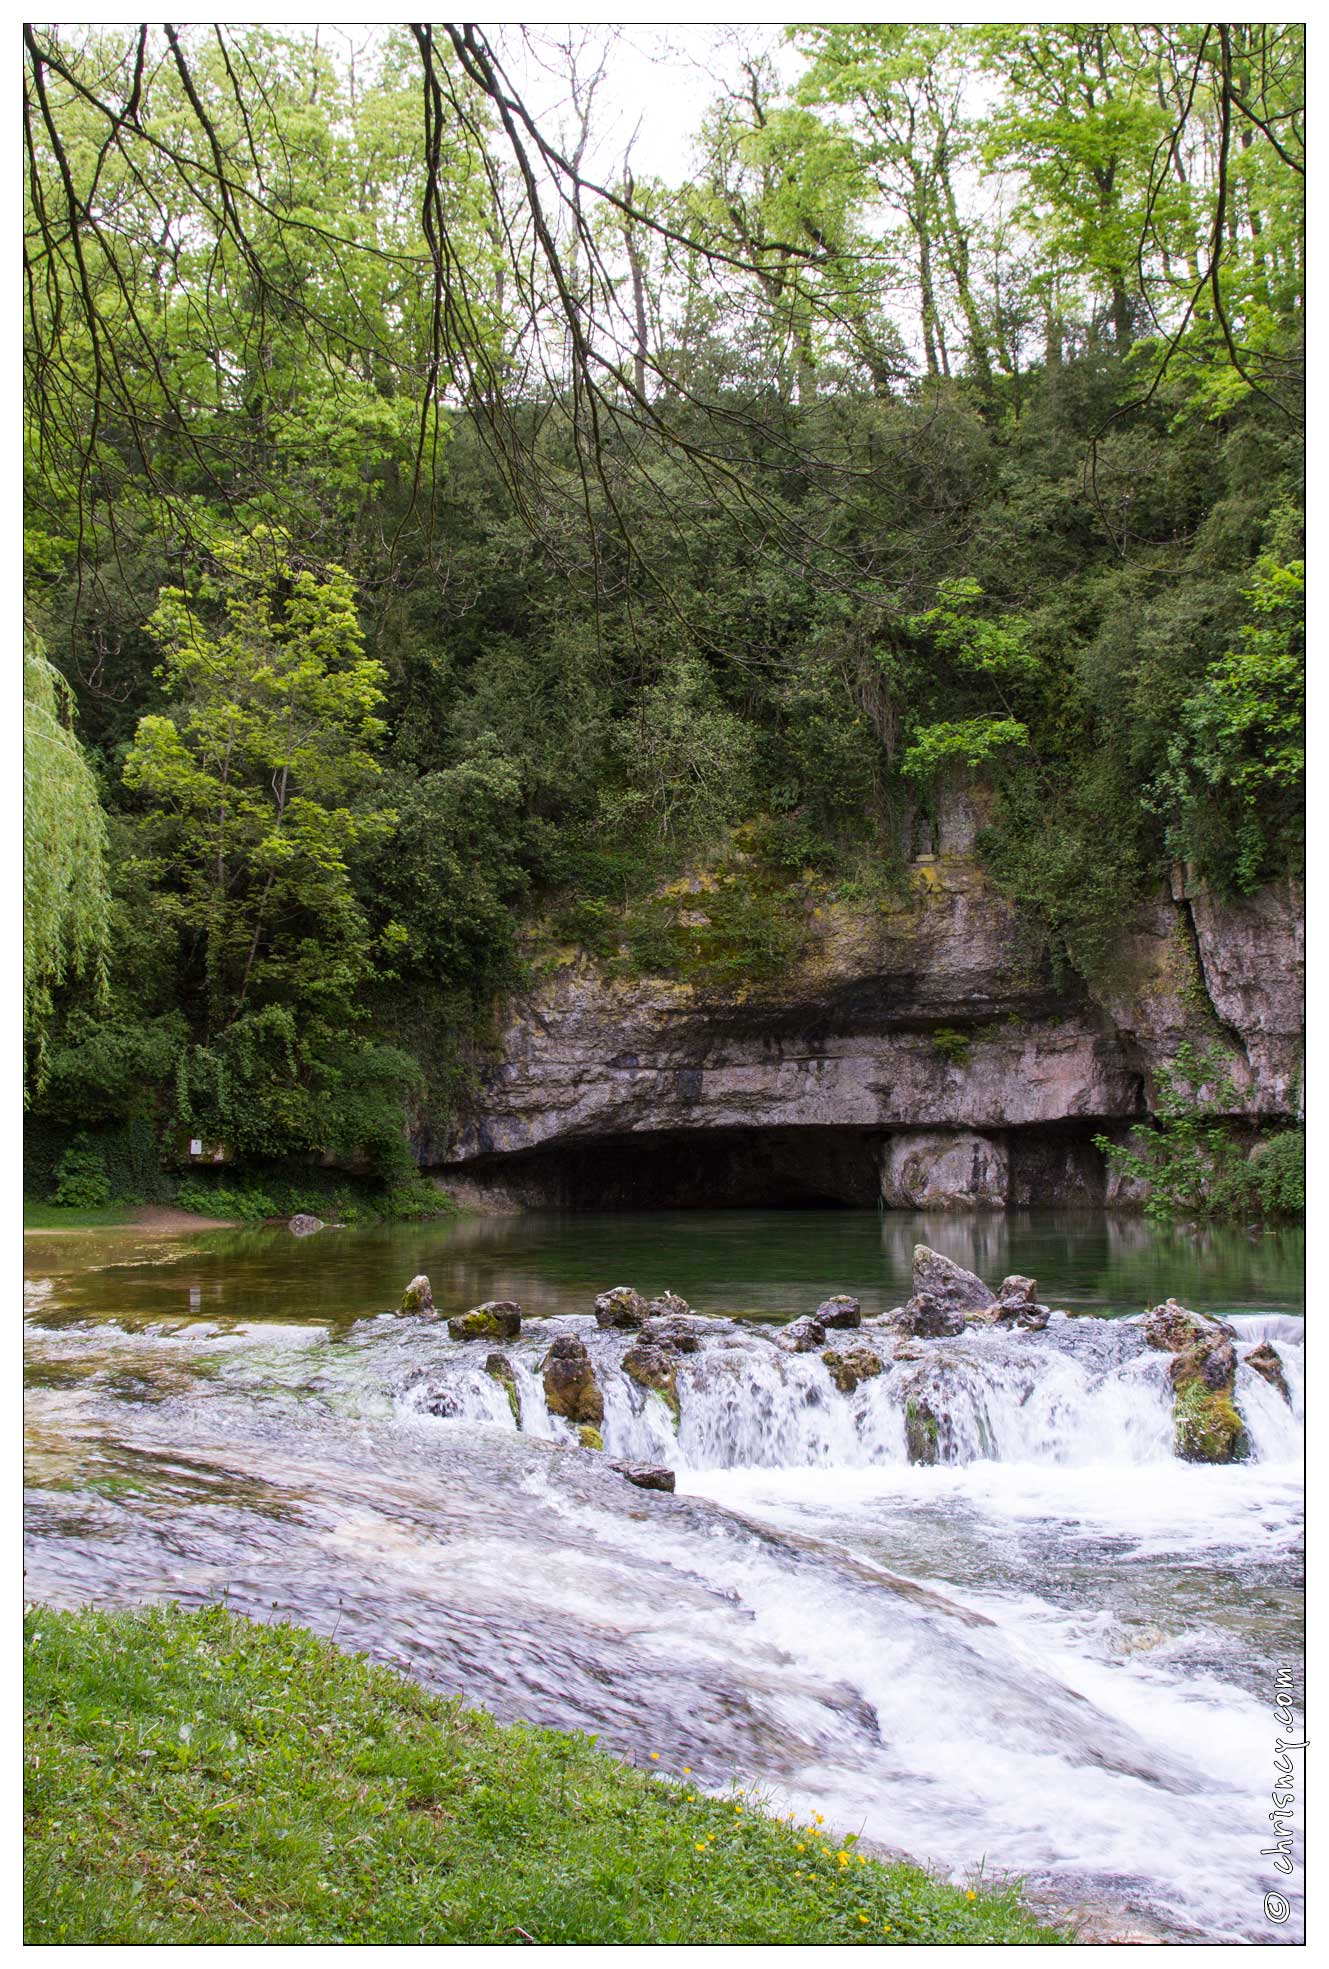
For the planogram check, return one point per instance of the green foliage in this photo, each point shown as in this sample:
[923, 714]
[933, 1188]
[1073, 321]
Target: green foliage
[1233, 782]
[249, 1206]
[1193, 1158]
[65, 900]
[81, 1179]
[338, 1801]
[953, 1046]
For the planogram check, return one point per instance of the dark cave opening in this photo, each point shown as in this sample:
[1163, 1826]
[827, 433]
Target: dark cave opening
[814, 1168]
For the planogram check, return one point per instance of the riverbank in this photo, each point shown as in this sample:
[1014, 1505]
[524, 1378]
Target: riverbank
[54, 1220]
[197, 1778]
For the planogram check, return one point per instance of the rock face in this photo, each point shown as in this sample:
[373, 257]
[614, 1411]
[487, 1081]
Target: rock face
[497, 1319]
[571, 1389]
[914, 1055]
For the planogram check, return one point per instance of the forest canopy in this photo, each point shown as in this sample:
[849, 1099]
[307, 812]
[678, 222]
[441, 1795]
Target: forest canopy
[432, 535]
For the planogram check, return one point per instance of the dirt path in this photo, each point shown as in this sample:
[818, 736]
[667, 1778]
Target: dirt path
[162, 1219]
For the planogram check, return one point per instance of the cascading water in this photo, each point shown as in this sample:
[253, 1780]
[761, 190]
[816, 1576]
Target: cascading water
[1048, 1650]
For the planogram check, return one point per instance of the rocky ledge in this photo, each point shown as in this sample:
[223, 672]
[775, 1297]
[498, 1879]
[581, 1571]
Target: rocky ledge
[915, 1056]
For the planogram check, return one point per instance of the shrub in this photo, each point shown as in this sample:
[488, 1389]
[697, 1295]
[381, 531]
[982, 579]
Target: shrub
[81, 1179]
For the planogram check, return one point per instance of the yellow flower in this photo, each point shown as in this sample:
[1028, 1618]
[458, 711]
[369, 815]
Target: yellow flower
[863, 1919]
[701, 1846]
[655, 1756]
[800, 1846]
[885, 1927]
[970, 1895]
[687, 1770]
[861, 1860]
[818, 1818]
[692, 1798]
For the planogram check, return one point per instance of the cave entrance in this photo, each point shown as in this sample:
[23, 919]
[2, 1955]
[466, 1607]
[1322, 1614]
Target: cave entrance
[715, 1169]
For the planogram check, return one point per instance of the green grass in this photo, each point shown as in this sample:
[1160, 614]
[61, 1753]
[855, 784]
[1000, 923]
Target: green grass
[40, 1216]
[192, 1777]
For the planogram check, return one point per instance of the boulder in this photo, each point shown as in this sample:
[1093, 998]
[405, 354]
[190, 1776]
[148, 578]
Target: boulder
[851, 1366]
[840, 1310]
[418, 1296]
[1017, 1291]
[942, 1280]
[929, 1318]
[683, 1336]
[668, 1306]
[801, 1336]
[571, 1389]
[646, 1476]
[302, 1225]
[654, 1369]
[499, 1368]
[620, 1306]
[922, 1432]
[1171, 1328]
[497, 1319]
[1267, 1361]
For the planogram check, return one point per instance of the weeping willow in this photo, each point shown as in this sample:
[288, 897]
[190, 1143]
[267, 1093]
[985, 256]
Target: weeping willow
[64, 852]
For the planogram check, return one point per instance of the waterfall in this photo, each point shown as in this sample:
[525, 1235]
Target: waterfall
[1084, 1391]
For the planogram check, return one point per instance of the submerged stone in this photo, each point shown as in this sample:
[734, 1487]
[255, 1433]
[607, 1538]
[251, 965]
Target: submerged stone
[620, 1306]
[840, 1310]
[499, 1368]
[497, 1319]
[646, 1476]
[418, 1296]
[1268, 1362]
[571, 1389]
[930, 1318]
[851, 1366]
[683, 1336]
[949, 1284]
[653, 1369]
[303, 1225]
[801, 1336]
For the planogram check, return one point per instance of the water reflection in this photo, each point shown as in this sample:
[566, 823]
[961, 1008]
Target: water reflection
[759, 1264]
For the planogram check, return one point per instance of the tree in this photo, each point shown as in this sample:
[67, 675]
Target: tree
[255, 789]
[65, 904]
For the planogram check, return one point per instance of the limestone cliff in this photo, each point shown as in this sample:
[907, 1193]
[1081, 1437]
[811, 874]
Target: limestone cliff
[915, 1052]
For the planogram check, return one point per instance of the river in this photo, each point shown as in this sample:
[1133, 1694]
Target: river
[1052, 1655]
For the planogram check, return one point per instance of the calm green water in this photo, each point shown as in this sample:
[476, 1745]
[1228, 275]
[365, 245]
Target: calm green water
[766, 1263]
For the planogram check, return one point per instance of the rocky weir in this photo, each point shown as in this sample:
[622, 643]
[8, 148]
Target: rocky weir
[960, 1373]
[918, 1054]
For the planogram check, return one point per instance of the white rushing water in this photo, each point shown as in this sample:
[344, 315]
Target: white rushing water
[1051, 1652]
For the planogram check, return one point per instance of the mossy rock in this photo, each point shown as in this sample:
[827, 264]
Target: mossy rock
[622, 1306]
[497, 1319]
[655, 1371]
[571, 1389]
[418, 1296]
[499, 1367]
[849, 1368]
[922, 1433]
[1208, 1426]
[589, 1437]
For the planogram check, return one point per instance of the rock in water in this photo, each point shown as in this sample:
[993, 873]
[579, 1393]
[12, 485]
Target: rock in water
[1208, 1426]
[653, 1368]
[571, 1389]
[302, 1225]
[620, 1306]
[499, 1368]
[589, 1436]
[497, 1319]
[1171, 1327]
[930, 1318]
[646, 1476]
[802, 1336]
[921, 1431]
[1017, 1291]
[942, 1280]
[682, 1336]
[840, 1310]
[855, 1364]
[668, 1306]
[1267, 1361]
[418, 1296]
